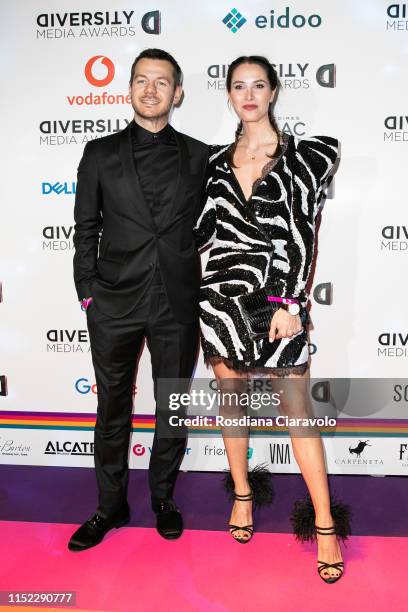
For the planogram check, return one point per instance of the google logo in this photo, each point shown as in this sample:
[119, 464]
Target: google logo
[83, 387]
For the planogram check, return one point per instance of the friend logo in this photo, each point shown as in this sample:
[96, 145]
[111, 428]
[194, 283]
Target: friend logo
[94, 80]
[234, 20]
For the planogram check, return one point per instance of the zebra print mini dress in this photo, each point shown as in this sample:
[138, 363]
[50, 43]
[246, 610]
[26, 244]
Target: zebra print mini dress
[281, 211]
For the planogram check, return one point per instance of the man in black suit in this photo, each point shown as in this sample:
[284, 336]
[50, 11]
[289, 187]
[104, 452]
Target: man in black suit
[137, 274]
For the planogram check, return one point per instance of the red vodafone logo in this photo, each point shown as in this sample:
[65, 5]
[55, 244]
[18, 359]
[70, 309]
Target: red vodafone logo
[93, 80]
[139, 450]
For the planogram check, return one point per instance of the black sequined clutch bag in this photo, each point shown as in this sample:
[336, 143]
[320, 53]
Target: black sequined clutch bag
[257, 312]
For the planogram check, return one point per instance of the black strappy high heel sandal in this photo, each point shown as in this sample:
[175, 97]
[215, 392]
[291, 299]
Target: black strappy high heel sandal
[261, 494]
[304, 527]
[322, 564]
[248, 528]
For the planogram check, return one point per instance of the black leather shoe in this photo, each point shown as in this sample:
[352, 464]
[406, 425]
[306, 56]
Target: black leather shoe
[94, 530]
[169, 520]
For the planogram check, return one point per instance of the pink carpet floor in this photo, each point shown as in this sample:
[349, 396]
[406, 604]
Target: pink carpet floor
[136, 570]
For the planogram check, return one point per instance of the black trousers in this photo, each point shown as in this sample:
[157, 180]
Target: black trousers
[115, 347]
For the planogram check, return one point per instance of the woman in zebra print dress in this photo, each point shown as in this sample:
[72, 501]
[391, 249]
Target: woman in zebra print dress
[264, 188]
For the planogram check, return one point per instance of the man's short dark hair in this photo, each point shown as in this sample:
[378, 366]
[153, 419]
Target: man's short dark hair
[159, 54]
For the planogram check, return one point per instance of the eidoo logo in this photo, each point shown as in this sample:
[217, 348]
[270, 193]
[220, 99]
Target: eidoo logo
[234, 20]
[92, 79]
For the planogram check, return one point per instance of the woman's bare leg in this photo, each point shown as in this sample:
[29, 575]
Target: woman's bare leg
[309, 454]
[236, 446]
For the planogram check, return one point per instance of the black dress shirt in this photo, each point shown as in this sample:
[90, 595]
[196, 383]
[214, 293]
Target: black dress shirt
[156, 162]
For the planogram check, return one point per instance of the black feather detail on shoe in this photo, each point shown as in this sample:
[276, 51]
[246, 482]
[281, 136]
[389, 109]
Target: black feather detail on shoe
[303, 520]
[260, 481]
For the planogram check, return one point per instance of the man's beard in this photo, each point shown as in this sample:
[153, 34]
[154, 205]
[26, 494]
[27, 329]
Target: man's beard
[159, 115]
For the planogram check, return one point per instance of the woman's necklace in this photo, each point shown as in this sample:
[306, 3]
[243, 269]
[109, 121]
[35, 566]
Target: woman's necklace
[252, 154]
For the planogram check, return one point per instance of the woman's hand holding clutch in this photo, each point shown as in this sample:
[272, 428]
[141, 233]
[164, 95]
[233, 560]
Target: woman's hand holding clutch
[284, 325]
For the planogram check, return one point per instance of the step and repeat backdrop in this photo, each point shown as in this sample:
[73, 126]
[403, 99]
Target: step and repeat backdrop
[343, 70]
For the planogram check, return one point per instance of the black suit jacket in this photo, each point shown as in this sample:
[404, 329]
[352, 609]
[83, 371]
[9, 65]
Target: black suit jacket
[117, 240]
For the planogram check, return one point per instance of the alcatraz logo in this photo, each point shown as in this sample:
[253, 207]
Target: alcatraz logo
[110, 71]
[70, 448]
[100, 24]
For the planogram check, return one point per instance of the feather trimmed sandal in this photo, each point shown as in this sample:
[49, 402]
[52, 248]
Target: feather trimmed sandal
[305, 529]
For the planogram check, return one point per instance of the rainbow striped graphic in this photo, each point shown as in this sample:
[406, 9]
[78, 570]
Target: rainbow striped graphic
[79, 421]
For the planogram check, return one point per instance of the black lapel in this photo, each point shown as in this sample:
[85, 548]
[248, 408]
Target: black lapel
[135, 193]
[166, 215]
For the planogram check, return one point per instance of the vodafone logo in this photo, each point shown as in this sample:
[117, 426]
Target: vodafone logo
[139, 450]
[90, 69]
